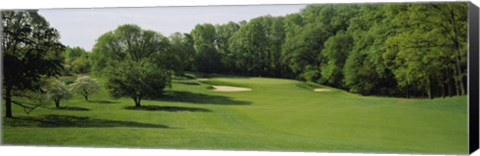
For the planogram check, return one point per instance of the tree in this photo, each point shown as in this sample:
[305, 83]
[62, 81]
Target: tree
[207, 58]
[431, 36]
[363, 71]
[136, 62]
[85, 86]
[223, 33]
[32, 51]
[182, 47]
[249, 45]
[57, 90]
[137, 80]
[76, 60]
[336, 51]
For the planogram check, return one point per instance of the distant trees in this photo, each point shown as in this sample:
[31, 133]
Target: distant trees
[136, 62]
[182, 46]
[379, 49]
[369, 49]
[76, 60]
[207, 56]
[31, 53]
[85, 86]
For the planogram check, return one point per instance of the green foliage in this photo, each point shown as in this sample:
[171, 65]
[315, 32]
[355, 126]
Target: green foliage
[76, 61]
[336, 51]
[85, 86]
[207, 58]
[433, 37]
[127, 42]
[223, 34]
[31, 51]
[137, 80]
[138, 63]
[56, 91]
[182, 46]
[372, 49]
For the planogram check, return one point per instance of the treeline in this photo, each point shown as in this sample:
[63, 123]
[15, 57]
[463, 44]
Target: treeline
[408, 50]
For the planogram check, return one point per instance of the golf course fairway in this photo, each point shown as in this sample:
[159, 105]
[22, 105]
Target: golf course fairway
[275, 114]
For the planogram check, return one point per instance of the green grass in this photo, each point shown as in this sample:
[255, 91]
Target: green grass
[278, 114]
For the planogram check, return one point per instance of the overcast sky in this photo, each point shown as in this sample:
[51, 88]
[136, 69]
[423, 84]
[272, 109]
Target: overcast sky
[81, 27]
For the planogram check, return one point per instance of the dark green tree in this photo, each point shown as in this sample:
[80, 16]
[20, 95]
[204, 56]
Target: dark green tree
[138, 80]
[31, 51]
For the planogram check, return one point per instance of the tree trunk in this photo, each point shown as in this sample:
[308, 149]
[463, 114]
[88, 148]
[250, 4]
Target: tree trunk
[8, 102]
[137, 102]
[57, 103]
[443, 90]
[430, 96]
[408, 95]
[457, 51]
[85, 94]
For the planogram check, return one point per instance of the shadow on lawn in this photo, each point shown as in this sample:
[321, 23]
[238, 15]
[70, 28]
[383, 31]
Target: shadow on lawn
[73, 108]
[197, 98]
[58, 121]
[168, 108]
[102, 101]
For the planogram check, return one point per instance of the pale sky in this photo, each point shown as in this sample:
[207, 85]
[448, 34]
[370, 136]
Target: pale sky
[82, 27]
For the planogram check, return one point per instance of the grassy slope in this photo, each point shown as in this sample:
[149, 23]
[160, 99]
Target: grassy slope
[278, 114]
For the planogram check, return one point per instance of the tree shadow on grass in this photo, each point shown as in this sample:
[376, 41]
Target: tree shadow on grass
[168, 108]
[197, 98]
[69, 108]
[61, 121]
[102, 101]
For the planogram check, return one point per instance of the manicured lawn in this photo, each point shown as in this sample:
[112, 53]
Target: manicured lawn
[278, 114]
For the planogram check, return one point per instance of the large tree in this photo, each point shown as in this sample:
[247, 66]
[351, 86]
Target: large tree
[433, 37]
[137, 62]
[138, 80]
[32, 51]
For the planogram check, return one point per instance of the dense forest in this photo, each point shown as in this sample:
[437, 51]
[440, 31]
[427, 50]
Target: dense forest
[407, 50]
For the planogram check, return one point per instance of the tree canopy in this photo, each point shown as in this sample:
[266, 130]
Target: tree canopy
[31, 52]
[137, 63]
[370, 49]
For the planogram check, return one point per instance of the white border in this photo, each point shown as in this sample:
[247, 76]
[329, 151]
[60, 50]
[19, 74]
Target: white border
[74, 151]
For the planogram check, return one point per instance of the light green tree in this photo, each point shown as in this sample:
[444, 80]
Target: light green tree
[56, 90]
[85, 86]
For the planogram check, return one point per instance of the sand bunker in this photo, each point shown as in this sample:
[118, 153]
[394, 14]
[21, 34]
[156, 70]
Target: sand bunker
[230, 89]
[321, 90]
[202, 79]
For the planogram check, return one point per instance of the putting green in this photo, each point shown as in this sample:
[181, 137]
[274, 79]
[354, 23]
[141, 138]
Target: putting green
[277, 114]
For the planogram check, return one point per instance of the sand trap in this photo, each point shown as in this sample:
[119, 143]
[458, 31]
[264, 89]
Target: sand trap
[202, 79]
[321, 90]
[230, 89]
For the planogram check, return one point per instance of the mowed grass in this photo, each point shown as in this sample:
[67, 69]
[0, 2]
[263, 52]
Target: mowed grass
[278, 114]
